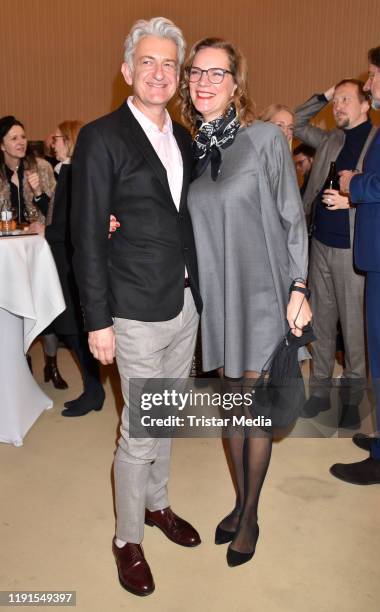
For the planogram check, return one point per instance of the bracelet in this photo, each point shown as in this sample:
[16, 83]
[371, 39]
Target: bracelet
[304, 290]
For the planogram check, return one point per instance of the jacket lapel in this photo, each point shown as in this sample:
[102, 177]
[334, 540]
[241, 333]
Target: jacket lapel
[185, 149]
[143, 144]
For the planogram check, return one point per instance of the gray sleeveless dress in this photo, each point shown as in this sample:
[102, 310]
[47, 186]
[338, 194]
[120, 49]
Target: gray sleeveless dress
[244, 309]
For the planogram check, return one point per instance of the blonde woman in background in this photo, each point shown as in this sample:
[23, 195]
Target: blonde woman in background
[280, 115]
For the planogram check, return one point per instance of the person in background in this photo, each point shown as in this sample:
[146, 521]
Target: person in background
[49, 154]
[28, 184]
[303, 157]
[337, 289]
[280, 115]
[252, 246]
[364, 191]
[69, 324]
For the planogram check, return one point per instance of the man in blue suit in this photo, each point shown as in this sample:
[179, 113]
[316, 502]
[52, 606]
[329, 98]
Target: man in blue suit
[364, 191]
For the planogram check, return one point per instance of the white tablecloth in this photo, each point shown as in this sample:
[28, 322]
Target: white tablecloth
[30, 299]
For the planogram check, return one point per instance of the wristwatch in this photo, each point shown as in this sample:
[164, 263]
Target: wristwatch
[306, 292]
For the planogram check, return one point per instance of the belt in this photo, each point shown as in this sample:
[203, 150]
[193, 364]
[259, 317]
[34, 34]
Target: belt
[187, 283]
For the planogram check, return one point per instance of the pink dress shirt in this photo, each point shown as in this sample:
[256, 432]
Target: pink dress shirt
[165, 145]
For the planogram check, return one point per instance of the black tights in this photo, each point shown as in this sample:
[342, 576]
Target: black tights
[250, 456]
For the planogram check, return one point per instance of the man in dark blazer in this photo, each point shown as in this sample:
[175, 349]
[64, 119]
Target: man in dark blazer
[139, 290]
[364, 190]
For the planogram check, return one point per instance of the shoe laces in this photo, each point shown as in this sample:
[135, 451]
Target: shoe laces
[174, 522]
[136, 555]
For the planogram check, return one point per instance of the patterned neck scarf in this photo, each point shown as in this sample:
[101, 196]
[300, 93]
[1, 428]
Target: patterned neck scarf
[211, 138]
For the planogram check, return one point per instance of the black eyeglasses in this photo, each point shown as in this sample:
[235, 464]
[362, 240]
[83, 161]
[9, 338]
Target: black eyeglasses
[214, 75]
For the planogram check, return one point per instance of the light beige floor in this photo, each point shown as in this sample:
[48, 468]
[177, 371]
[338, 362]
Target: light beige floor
[318, 549]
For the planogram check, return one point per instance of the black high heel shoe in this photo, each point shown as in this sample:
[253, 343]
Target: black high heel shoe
[222, 536]
[235, 558]
[52, 373]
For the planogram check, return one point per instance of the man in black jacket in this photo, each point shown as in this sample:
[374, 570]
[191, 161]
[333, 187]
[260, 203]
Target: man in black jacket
[139, 291]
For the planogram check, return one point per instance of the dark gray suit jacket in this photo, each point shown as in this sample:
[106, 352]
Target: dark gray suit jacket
[328, 145]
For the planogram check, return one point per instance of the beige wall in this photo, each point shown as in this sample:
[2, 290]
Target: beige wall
[61, 59]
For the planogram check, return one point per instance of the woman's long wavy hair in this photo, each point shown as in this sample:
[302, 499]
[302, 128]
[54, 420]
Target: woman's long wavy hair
[245, 108]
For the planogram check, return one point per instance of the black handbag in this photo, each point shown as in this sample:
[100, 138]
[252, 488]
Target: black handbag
[279, 392]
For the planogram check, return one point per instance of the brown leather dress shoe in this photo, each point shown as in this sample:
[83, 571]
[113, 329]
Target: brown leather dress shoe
[134, 572]
[174, 527]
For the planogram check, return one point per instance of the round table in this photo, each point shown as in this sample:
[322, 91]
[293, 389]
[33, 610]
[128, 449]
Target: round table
[30, 298]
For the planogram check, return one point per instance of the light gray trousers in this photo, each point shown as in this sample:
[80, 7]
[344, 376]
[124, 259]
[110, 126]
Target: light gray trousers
[337, 293]
[161, 349]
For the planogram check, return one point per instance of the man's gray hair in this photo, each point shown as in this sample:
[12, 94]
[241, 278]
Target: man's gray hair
[159, 27]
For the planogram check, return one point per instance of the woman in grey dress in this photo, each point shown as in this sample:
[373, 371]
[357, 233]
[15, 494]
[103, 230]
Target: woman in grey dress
[251, 244]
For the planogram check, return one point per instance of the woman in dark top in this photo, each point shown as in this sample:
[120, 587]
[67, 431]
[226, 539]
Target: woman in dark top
[27, 186]
[70, 323]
